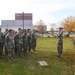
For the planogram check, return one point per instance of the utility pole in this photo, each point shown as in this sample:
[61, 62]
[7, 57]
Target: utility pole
[23, 19]
[7, 26]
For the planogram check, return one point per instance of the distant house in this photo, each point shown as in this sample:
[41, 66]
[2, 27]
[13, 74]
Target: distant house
[22, 20]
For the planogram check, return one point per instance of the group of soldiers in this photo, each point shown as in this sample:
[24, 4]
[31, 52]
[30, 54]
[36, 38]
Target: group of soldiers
[23, 41]
[17, 42]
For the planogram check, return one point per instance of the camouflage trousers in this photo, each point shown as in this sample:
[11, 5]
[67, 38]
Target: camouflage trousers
[6, 50]
[59, 49]
[10, 53]
[1, 49]
[29, 46]
[19, 49]
[25, 48]
[33, 45]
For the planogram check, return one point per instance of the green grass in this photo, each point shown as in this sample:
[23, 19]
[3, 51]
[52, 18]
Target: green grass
[46, 50]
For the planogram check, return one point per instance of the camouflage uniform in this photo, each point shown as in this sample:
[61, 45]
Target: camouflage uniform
[19, 43]
[25, 42]
[16, 41]
[29, 37]
[60, 44]
[1, 43]
[34, 38]
[10, 45]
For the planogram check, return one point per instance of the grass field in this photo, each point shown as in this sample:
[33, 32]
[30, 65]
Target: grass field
[46, 50]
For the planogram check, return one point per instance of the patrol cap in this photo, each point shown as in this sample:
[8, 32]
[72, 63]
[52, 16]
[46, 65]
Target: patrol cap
[6, 29]
[10, 30]
[60, 28]
[19, 29]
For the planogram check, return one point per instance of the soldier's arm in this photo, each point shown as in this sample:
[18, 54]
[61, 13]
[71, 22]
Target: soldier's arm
[35, 36]
[2, 36]
[6, 40]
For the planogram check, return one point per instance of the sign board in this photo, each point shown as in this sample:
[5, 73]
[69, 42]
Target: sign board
[43, 63]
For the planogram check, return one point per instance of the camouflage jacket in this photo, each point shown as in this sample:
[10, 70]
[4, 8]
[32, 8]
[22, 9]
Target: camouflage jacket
[29, 37]
[9, 41]
[34, 37]
[25, 39]
[19, 38]
[1, 37]
[60, 37]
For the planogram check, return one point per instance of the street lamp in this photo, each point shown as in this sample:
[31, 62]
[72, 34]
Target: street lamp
[7, 26]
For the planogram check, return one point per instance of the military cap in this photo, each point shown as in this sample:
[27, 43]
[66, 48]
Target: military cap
[60, 28]
[19, 28]
[10, 30]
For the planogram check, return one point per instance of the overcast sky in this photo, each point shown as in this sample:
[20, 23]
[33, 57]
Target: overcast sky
[50, 11]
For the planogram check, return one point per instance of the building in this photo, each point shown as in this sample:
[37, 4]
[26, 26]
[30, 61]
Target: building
[22, 20]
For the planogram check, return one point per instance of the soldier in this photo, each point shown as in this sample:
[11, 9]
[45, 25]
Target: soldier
[34, 38]
[29, 37]
[15, 43]
[10, 44]
[5, 33]
[60, 43]
[19, 42]
[1, 43]
[25, 42]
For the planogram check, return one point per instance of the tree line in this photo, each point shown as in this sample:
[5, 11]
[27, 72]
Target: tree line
[68, 24]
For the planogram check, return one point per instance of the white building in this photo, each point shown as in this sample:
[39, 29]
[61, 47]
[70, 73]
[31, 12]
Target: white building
[22, 20]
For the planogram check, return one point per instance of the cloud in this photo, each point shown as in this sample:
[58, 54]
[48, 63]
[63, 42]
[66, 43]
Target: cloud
[41, 9]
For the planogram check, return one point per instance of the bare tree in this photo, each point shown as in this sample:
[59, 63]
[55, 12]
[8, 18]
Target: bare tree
[41, 27]
[52, 28]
